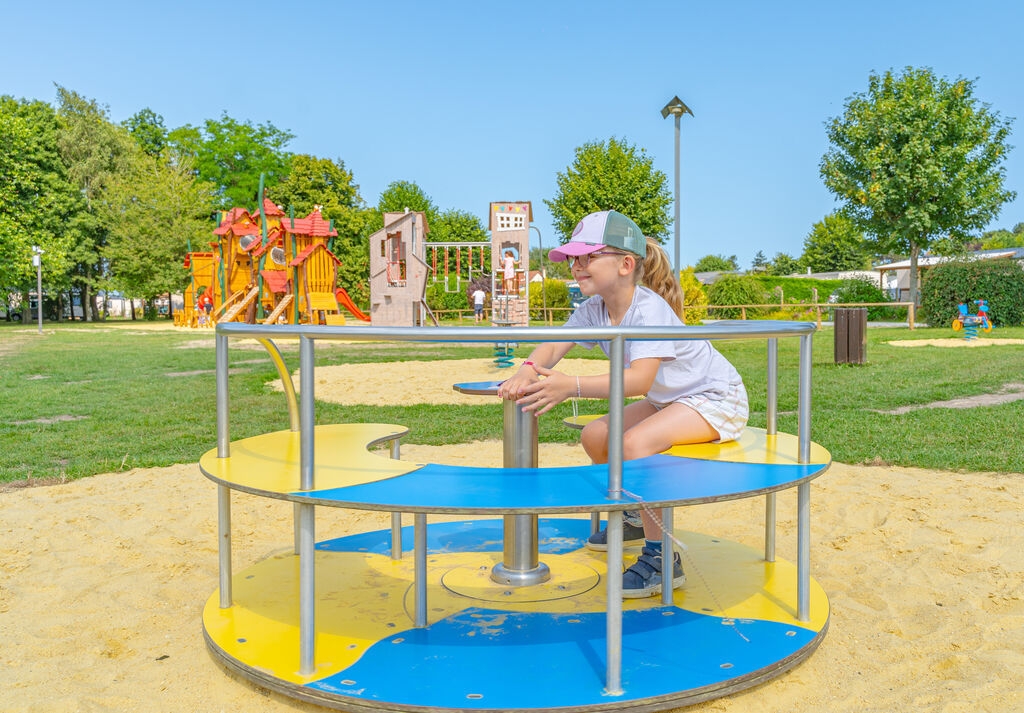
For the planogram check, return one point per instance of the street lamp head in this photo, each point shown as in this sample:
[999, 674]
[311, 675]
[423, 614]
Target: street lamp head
[676, 107]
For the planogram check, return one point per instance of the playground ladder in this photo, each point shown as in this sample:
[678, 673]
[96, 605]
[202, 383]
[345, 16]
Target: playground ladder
[282, 305]
[432, 317]
[239, 306]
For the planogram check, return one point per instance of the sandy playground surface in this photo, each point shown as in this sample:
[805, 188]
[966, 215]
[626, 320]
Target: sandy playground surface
[102, 580]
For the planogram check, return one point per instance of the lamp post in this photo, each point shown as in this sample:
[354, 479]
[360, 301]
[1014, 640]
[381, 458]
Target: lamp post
[38, 263]
[676, 108]
[543, 277]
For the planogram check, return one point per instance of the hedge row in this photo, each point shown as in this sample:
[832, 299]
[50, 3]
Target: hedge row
[1000, 282]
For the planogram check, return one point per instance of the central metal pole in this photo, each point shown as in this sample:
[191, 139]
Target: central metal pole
[521, 565]
[223, 494]
[39, 294]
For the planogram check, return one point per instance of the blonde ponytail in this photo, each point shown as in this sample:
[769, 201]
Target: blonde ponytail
[655, 271]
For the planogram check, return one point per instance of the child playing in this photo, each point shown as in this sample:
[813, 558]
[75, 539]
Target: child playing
[509, 270]
[693, 394]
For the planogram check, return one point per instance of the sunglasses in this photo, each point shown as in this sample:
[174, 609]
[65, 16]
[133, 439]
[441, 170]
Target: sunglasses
[584, 260]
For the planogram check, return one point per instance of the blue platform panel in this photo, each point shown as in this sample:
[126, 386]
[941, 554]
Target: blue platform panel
[656, 478]
[555, 537]
[465, 660]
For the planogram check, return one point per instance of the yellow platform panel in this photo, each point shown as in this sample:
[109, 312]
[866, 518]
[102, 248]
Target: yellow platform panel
[363, 598]
[270, 462]
[754, 446]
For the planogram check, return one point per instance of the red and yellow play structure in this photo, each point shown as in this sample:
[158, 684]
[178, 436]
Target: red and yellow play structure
[266, 267]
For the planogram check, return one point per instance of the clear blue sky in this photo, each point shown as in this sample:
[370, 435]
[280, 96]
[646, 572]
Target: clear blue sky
[481, 101]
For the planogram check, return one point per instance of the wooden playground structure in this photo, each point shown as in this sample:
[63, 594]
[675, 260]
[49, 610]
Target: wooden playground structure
[266, 267]
[270, 268]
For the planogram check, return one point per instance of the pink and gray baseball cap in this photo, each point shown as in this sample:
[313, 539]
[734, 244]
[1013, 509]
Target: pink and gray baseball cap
[606, 228]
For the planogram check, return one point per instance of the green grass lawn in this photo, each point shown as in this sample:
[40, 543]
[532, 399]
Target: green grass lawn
[132, 414]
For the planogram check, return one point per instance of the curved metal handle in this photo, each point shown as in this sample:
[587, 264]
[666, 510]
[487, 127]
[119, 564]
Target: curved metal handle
[286, 381]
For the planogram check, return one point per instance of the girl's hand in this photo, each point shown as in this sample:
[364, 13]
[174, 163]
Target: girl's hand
[542, 396]
[511, 389]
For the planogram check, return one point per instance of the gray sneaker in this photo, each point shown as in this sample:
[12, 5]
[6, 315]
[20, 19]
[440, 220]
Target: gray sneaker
[643, 578]
[632, 536]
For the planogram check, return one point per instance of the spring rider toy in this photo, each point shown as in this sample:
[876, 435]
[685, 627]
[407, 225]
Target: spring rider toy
[970, 322]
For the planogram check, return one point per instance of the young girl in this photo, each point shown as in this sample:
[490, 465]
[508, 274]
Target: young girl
[693, 394]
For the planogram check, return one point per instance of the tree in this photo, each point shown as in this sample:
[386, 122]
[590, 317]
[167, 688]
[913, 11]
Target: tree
[93, 150]
[716, 263]
[917, 159]
[783, 264]
[834, 244]
[760, 263]
[995, 239]
[316, 181]
[34, 196]
[612, 175]
[147, 128]
[554, 270]
[454, 225]
[153, 210]
[232, 154]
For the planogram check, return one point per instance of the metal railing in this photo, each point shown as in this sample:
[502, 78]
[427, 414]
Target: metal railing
[305, 527]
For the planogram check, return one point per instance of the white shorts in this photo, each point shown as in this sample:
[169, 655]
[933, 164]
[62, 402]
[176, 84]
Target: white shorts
[728, 415]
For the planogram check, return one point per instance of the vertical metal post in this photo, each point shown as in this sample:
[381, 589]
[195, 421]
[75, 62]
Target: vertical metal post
[224, 544]
[307, 412]
[803, 563]
[803, 547]
[613, 676]
[307, 554]
[668, 560]
[223, 440]
[771, 412]
[39, 293]
[223, 494]
[615, 418]
[396, 517]
[595, 523]
[613, 618]
[420, 569]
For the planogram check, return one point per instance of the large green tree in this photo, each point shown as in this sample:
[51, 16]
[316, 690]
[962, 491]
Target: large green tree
[916, 159]
[35, 197]
[232, 154]
[717, 263]
[783, 264]
[612, 175]
[835, 243]
[153, 211]
[93, 151]
[316, 181]
[995, 239]
[147, 128]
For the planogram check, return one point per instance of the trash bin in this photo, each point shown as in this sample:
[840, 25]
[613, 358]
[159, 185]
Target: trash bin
[851, 328]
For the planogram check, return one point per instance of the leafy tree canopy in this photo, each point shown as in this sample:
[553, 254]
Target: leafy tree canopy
[399, 195]
[835, 243]
[995, 239]
[760, 263]
[555, 270]
[147, 128]
[612, 175]
[717, 263]
[34, 195]
[783, 264]
[232, 154]
[316, 181]
[153, 211]
[915, 159]
[454, 225]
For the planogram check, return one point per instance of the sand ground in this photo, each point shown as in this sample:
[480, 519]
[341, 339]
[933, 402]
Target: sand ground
[102, 582]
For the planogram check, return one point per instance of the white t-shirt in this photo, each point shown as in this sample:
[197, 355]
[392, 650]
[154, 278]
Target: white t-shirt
[688, 367]
[478, 297]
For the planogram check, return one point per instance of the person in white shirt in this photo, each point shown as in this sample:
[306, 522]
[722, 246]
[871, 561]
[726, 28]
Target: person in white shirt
[694, 395]
[478, 303]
